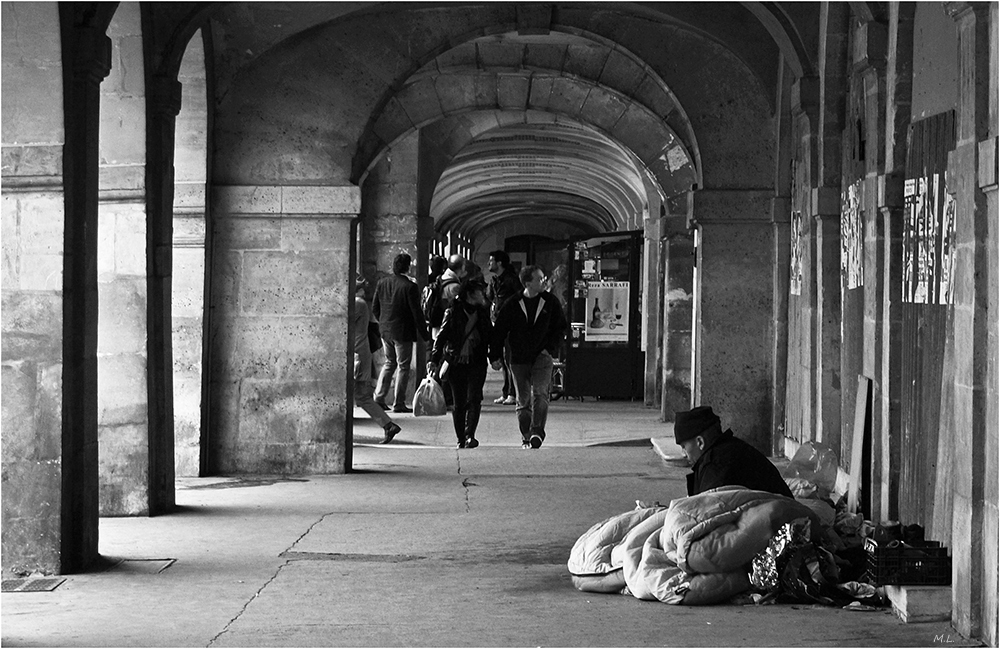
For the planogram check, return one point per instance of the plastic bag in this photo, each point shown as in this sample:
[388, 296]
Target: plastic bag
[428, 400]
[814, 463]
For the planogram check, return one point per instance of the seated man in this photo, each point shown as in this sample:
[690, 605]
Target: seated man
[719, 458]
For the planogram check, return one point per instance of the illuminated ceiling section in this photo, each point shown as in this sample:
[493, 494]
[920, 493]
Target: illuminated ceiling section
[556, 171]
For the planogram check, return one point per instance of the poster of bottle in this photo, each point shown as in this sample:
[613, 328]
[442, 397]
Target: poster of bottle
[607, 311]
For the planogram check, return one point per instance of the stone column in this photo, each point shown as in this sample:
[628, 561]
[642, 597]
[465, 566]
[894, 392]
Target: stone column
[736, 271]
[974, 276]
[678, 306]
[90, 61]
[826, 359]
[281, 303]
[162, 108]
[652, 329]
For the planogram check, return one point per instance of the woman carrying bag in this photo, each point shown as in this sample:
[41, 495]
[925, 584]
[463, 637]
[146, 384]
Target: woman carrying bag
[459, 358]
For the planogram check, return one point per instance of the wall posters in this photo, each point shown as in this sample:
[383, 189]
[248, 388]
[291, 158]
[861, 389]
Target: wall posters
[852, 237]
[795, 274]
[607, 311]
[928, 241]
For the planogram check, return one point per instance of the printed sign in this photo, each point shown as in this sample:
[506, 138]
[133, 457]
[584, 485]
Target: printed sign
[852, 237]
[795, 271]
[607, 311]
[928, 241]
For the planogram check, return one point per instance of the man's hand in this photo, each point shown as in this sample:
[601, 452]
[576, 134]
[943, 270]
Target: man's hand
[497, 365]
[432, 369]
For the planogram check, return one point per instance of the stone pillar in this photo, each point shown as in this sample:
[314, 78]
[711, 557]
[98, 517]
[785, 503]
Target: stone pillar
[736, 271]
[678, 311]
[826, 351]
[652, 325]
[886, 449]
[281, 303]
[162, 108]
[390, 224]
[90, 58]
[972, 320]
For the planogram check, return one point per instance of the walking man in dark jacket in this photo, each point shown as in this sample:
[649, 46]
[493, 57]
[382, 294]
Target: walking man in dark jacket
[534, 325]
[397, 308]
[504, 287]
[719, 458]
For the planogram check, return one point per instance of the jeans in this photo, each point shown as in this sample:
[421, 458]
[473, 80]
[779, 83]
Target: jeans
[397, 360]
[363, 390]
[508, 378]
[532, 384]
[465, 382]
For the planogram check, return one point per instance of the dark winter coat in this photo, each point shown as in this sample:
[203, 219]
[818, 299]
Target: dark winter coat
[397, 308]
[529, 333]
[731, 461]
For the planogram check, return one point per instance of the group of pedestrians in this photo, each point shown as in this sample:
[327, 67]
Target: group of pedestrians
[511, 324]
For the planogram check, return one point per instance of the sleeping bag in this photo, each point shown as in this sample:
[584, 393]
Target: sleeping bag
[696, 551]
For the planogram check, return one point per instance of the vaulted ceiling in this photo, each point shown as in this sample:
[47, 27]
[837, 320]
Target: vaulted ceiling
[608, 107]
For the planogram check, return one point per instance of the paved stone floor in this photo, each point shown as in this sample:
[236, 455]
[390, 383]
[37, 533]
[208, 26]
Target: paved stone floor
[421, 545]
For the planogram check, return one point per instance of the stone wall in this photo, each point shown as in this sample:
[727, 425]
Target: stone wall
[123, 406]
[32, 213]
[188, 273]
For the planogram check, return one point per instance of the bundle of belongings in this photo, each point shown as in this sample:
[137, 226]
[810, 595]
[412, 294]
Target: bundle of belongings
[727, 544]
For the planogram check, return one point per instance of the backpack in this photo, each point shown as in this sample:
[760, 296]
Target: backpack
[431, 302]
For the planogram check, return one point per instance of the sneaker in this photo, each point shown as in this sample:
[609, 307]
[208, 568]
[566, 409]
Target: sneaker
[391, 430]
[402, 409]
[535, 441]
[525, 444]
[461, 443]
[471, 442]
[500, 400]
[509, 401]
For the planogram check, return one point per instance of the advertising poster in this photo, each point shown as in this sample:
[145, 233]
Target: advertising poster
[928, 241]
[607, 311]
[795, 272]
[852, 237]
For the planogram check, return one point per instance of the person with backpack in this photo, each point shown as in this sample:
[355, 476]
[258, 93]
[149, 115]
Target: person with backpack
[445, 290]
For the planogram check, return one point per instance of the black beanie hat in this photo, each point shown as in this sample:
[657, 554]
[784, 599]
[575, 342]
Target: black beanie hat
[691, 423]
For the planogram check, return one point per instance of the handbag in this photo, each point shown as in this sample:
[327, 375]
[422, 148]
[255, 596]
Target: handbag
[428, 399]
[374, 337]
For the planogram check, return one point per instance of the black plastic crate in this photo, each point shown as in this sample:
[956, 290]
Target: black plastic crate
[920, 563]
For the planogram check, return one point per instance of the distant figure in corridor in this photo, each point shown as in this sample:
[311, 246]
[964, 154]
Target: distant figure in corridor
[397, 308]
[534, 324]
[463, 342]
[504, 287]
[719, 458]
[363, 389]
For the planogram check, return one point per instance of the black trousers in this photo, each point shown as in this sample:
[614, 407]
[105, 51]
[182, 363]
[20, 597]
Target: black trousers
[465, 383]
